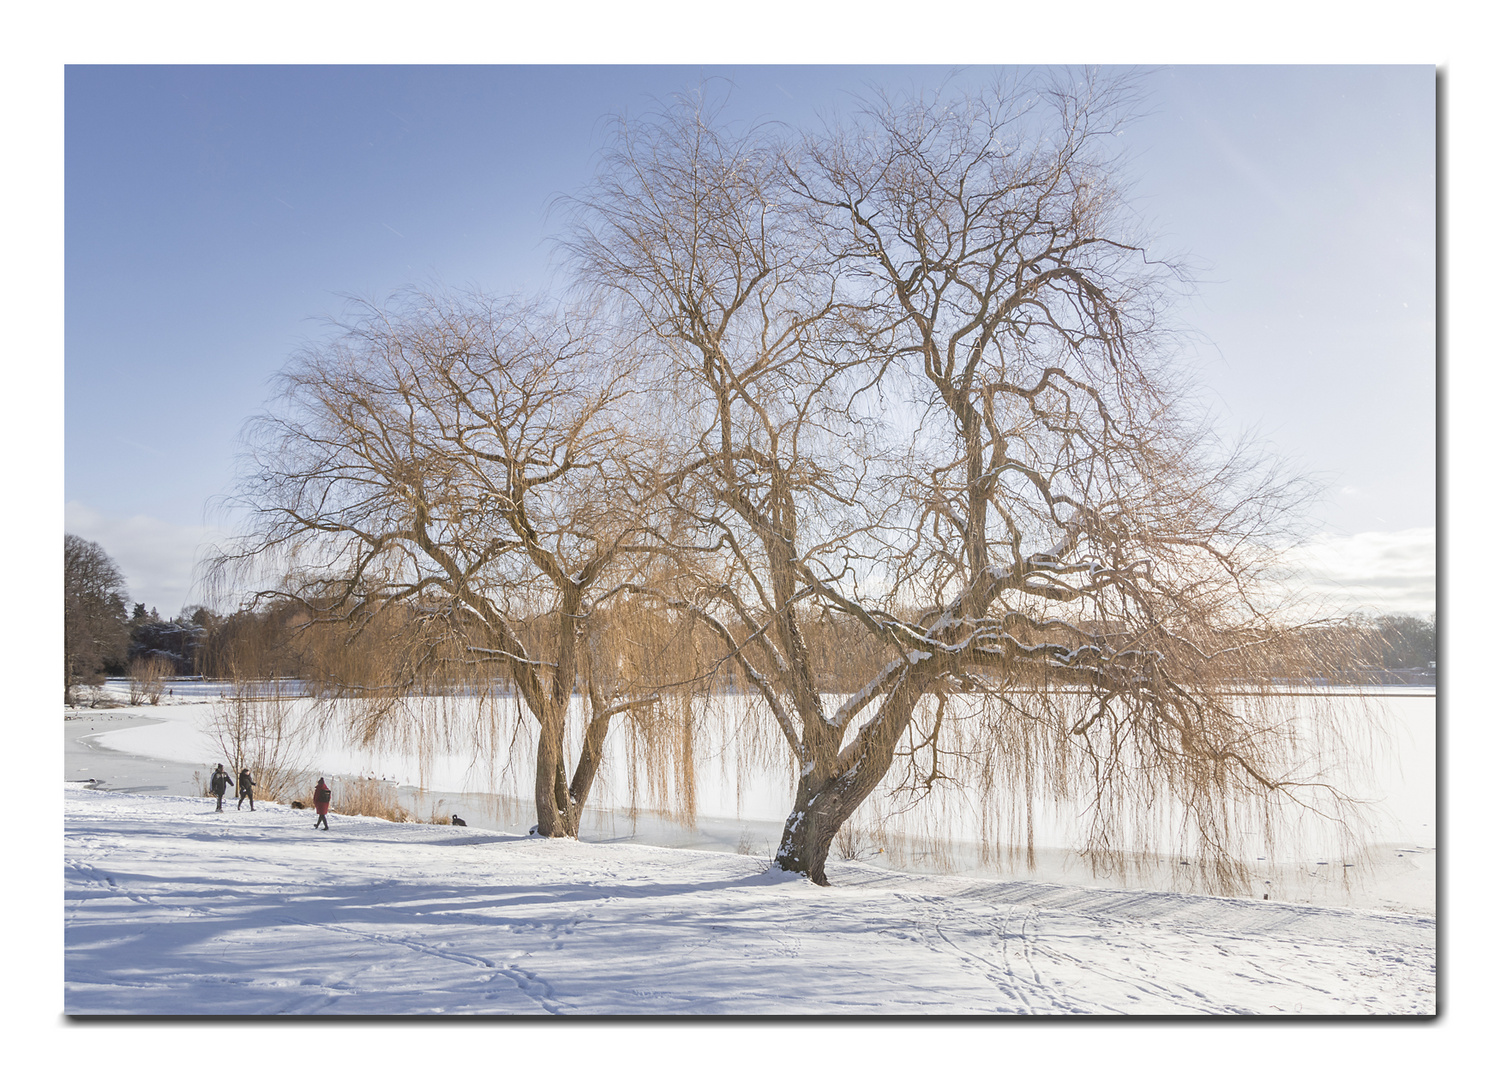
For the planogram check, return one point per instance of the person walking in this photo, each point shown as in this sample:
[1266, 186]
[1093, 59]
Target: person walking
[218, 783]
[321, 798]
[246, 790]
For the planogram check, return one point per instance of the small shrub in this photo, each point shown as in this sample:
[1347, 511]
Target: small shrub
[93, 695]
[148, 678]
[276, 783]
[366, 796]
[851, 843]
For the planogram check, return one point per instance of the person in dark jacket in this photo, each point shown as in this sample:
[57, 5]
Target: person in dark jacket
[246, 790]
[218, 783]
[321, 798]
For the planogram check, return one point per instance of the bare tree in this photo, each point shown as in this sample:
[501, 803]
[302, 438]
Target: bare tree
[925, 389]
[257, 728]
[94, 627]
[452, 479]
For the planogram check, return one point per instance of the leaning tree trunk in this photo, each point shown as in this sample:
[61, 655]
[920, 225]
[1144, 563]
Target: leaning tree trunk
[826, 798]
[589, 758]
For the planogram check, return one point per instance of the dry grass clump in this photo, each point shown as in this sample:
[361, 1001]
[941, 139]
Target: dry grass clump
[439, 813]
[276, 783]
[364, 796]
[852, 843]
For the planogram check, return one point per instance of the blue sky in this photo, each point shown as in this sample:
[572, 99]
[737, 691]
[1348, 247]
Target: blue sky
[214, 214]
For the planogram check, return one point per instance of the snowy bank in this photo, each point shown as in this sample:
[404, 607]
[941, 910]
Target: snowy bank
[173, 909]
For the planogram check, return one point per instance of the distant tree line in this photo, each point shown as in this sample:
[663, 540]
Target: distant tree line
[1404, 641]
[293, 639]
[1365, 649]
[101, 641]
[95, 637]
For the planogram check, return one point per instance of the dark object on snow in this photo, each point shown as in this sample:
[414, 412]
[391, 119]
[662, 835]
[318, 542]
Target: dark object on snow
[246, 790]
[460, 821]
[298, 806]
[322, 797]
[218, 783]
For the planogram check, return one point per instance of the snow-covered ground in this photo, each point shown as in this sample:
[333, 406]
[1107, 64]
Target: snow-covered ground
[171, 908]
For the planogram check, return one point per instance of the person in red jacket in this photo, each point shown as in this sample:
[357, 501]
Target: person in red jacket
[321, 798]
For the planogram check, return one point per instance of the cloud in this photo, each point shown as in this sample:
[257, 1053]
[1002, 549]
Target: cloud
[1384, 572]
[158, 559]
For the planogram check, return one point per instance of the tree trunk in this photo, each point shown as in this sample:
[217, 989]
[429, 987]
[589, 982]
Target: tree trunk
[552, 810]
[815, 820]
[826, 800]
[589, 759]
[559, 804]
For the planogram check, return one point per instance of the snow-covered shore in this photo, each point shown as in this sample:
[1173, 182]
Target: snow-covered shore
[157, 749]
[173, 909]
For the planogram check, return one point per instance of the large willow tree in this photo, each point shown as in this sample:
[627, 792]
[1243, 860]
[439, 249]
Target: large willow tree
[921, 383]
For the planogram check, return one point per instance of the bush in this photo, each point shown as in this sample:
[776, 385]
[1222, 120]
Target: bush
[148, 678]
[365, 796]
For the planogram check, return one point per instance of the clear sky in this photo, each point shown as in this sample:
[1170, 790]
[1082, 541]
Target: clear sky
[214, 215]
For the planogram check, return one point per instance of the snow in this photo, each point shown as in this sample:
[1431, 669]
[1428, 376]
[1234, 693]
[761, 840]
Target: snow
[171, 908]
[157, 750]
[36, 995]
